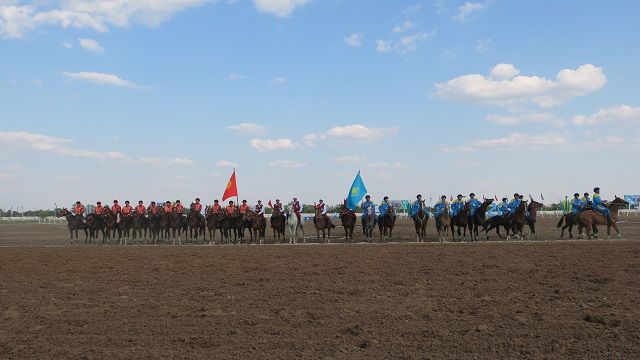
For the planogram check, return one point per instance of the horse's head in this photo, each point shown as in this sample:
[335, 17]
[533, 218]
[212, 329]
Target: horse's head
[534, 204]
[63, 212]
[192, 207]
[487, 202]
[391, 211]
[619, 201]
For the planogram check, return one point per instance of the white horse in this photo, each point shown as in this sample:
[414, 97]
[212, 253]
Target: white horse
[294, 225]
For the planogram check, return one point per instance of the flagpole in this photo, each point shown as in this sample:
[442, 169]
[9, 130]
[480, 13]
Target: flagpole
[237, 192]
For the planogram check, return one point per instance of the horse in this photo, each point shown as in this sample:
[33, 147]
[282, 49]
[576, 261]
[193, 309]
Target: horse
[73, 223]
[176, 223]
[368, 224]
[124, 228]
[321, 224]
[588, 219]
[460, 221]
[294, 226]
[256, 226]
[531, 219]
[443, 224]
[196, 222]
[478, 219]
[496, 222]
[227, 223]
[213, 223]
[140, 223]
[111, 224]
[239, 225]
[420, 223]
[164, 223]
[571, 219]
[278, 224]
[386, 223]
[95, 224]
[517, 224]
[348, 219]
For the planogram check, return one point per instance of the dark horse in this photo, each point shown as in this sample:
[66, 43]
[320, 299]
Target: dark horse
[74, 223]
[227, 223]
[321, 223]
[531, 219]
[177, 224]
[420, 223]
[196, 221]
[124, 228]
[460, 221]
[571, 219]
[348, 218]
[517, 224]
[368, 224]
[140, 224]
[478, 219]
[110, 222]
[213, 223]
[256, 226]
[96, 225]
[386, 223]
[278, 224]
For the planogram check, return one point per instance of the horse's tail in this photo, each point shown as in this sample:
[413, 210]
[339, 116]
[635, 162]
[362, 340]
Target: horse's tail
[561, 220]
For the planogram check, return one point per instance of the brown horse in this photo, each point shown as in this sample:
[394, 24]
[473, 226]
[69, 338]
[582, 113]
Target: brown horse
[213, 223]
[386, 223]
[530, 220]
[517, 224]
[322, 224]
[420, 223]
[140, 224]
[443, 224]
[196, 223]
[74, 223]
[176, 223]
[278, 225]
[348, 219]
[461, 221]
[257, 226]
[96, 225]
[124, 228]
[478, 219]
[588, 219]
[111, 224]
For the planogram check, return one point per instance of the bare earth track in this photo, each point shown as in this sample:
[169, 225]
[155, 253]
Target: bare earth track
[492, 299]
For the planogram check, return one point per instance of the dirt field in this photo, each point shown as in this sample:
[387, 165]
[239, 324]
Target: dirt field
[532, 299]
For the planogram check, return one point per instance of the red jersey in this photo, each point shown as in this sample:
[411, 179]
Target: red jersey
[244, 208]
[168, 209]
[98, 209]
[231, 209]
[78, 209]
[141, 209]
[180, 208]
[277, 207]
[296, 207]
[197, 207]
[216, 208]
[127, 210]
[116, 209]
[153, 209]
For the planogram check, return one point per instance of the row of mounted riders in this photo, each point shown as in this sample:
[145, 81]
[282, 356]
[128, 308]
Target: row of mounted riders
[160, 224]
[525, 214]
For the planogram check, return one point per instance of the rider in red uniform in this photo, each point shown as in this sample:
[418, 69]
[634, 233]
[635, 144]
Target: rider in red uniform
[78, 210]
[296, 208]
[99, 208]
[179, 207]
[216, 208]
[168, 208]
[230, 208]
[244, 207]
[116, 208]
[127, 210]
[141, 209]
[152, 209]
[197, 206]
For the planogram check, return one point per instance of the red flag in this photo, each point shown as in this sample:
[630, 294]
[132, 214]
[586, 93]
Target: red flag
[270, 205]
[232, 188]
[496, 197]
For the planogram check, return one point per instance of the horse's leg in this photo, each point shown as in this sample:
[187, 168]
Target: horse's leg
[615, 227]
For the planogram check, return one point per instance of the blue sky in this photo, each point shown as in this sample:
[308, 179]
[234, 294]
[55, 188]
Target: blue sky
[140, 100]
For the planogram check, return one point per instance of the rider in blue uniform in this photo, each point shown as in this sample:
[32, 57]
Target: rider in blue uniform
[439, 207]
[526, 212]
[576, 206]
[474, 203]
[598, 205]
[586, 201]
[456, 206]
[513, 204]
[384, 206]
[415, 207]
[368, 204]
[503, 208]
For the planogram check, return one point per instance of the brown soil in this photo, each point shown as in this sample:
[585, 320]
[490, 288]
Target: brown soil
[509, 300]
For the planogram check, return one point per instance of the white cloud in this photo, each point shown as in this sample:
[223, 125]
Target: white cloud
[6, 175]
[504, 72]
[412, 10]
[102, 79]
[248, 129]
[354, 39]
[281, 8]
[476, 88]
[466, 10]
[520, 140]
[468, 163]
[386, 165]
[483, 45]
[269, 145]
[67, 45]
[287, 164]
[383, 46]
[620, 113]
[349, 159]
[402, 28]
[36, 82]
[225, 163]
[310, 139]
[91, 45]
[459, 149]
[277, 81]
[17, 20]
[236, 77]
[359, 133]
[518, 118]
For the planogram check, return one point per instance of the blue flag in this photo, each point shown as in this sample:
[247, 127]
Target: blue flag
[356, 193]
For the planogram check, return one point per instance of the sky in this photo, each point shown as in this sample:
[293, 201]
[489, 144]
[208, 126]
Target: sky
[161, 100]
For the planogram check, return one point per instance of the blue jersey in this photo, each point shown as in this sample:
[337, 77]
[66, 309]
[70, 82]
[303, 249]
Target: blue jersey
[439, 207]
[475, 204]
[513, 205]
[586, 201]
[384, 206]
[503, 208]
[415, 208]
[576, 205]
[367, 204]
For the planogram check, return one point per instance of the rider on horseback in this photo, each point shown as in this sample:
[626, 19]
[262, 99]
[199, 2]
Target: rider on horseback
[598, 205]
[503, 208]
[415, 207]
[457, 206]
[78, 210]
[140, 208]
[244, 207]
[197, 206]
[216, 208]
[439, 207]
[384, 206]
[323, 208]
[585, 199]
[127, 210]
[513, 204]
[296, 208]
[260, 211]
[168, 208]
[98, 209]
[116, 209]
[576, 206]
[475, 204]
[277, 210]
[230, 209]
